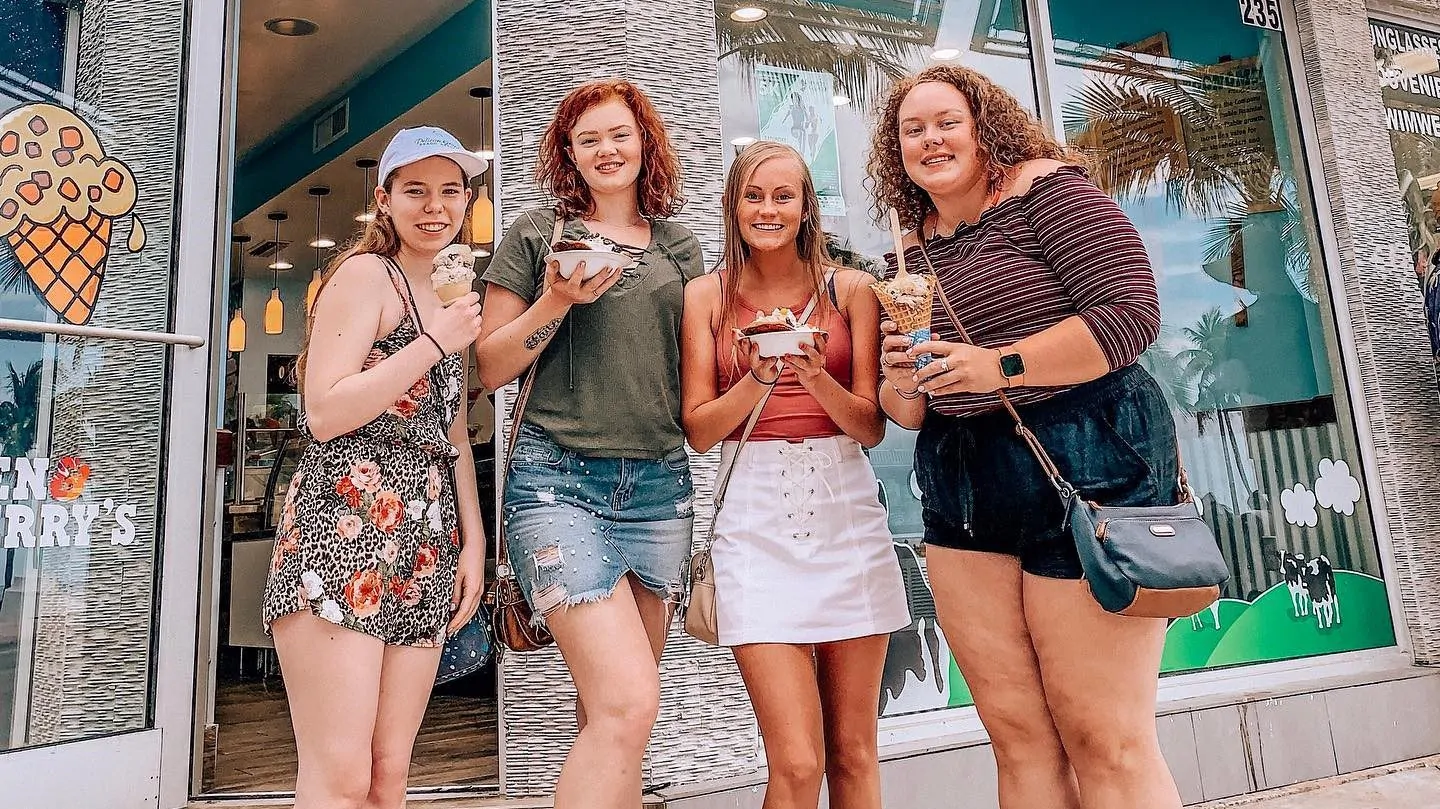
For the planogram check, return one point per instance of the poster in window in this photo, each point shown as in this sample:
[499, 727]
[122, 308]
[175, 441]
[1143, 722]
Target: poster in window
[798, 108]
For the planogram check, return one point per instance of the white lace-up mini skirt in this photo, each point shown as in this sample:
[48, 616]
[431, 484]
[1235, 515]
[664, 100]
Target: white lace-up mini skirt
[803, 552]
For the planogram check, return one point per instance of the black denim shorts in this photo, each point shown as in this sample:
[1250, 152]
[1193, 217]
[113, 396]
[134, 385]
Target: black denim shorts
[983, 490]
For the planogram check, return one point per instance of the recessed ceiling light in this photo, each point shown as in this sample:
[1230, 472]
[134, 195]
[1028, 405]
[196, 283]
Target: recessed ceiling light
[749, 14]
[365, 218]
[742, 141]
[840, 100]
[291, 27]
[323, 244]
[945, 54]
[282, 264]
[480, 252]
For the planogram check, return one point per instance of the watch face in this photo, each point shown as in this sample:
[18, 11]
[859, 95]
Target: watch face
[1012, 365]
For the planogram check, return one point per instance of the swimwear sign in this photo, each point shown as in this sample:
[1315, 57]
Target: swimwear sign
[43, 507]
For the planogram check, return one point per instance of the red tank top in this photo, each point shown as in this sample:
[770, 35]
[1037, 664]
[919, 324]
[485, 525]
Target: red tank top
[791, 414]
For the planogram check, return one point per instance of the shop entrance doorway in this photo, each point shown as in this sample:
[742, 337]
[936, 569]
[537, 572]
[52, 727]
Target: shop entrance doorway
[315, 101]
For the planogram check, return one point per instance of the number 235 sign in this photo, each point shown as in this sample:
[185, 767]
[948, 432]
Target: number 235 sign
[1261, 13]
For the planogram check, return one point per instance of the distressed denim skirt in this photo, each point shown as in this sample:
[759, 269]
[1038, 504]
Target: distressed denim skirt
[576, 524]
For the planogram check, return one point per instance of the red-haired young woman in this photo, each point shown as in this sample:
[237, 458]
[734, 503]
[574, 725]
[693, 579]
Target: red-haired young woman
[598, 499]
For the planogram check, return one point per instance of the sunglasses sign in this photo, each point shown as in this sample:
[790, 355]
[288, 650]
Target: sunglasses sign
[43, 505]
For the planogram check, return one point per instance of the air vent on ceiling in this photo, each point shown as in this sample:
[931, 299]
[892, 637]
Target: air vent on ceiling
[331, 125]
[267, 248]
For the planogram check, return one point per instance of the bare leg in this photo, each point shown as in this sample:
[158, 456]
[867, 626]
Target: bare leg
[405, 684]
[978, 597]
[1101, 676]
[781, 681]
[849, 674]
[332, 682]
[655, 614]
[609, 655]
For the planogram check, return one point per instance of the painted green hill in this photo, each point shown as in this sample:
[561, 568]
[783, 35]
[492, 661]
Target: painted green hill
[1269, 629]
[1189, 648]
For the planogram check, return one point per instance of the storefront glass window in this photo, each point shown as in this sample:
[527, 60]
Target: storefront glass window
[1409, 72]
[1186, 116]
[88, 149]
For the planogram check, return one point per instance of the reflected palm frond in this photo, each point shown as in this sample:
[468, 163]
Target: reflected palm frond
[865, 52]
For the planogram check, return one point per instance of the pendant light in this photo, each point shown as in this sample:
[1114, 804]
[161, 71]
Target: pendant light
[235, 339]
[320, 243]
[482, 214]
[275, 308]
[367, 190]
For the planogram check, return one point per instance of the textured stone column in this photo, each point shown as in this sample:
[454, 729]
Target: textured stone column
[91, 664]
[544, 49]
[1381, 297]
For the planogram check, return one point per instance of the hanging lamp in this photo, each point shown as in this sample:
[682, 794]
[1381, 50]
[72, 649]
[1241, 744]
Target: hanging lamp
[367, 189]
[275, 308]
[482, 214]
[235, 338]
[320, 243]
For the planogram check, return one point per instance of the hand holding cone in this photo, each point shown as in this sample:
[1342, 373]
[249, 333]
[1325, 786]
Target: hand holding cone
[908, 297]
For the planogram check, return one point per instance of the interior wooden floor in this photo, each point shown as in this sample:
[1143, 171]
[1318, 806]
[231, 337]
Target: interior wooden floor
[255, 751]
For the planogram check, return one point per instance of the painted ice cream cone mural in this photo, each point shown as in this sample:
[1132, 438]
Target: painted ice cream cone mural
[59, 197]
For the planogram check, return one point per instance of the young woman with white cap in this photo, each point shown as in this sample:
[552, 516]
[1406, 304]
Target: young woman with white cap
[380, 549]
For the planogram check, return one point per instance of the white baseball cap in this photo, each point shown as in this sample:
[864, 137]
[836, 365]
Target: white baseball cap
[418, 143]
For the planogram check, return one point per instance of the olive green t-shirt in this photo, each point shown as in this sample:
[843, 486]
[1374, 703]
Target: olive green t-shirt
[609, 382]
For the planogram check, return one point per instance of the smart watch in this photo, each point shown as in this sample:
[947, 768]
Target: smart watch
[1012, 367]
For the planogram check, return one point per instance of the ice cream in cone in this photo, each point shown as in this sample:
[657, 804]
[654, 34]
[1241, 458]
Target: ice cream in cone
[454, 274]
[907, 300]
[59, 197]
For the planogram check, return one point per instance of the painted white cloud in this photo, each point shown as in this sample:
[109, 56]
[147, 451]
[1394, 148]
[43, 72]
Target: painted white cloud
[1299, 505]
[1337, 489]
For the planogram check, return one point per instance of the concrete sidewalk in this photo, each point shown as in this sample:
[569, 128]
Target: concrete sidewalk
[1407, 785]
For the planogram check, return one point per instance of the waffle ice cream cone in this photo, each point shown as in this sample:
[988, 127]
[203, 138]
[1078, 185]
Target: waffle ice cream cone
[907, 300]
[59, 197]
[453, 275]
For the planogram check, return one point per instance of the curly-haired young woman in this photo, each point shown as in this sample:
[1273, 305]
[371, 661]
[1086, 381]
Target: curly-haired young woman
[598, 501]
[1052, 283]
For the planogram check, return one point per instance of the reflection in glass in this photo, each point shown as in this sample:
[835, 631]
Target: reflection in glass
[81, 420]
[1186, 117]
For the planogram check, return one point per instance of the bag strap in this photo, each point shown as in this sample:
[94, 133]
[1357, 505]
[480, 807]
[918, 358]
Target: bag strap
[722, 480]
[517, 414]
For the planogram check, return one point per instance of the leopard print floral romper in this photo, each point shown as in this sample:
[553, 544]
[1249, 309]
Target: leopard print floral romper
[369, 537]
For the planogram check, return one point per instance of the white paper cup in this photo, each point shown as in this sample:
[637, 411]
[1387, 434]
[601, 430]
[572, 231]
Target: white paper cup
[596, 261]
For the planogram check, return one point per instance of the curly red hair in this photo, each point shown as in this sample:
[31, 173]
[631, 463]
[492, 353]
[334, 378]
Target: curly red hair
[659, 189]
[1008, 135]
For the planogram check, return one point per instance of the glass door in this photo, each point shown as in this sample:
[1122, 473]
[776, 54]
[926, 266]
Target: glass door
[90, 371]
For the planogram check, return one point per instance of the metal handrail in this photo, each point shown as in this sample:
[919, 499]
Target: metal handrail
[100, 332]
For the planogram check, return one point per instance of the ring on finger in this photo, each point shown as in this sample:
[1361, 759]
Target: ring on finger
[944, 363]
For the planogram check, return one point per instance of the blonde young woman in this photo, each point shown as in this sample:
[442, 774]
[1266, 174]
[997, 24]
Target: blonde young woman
[597, 504]
[1052, 283]
[807, 584]
[380, 550]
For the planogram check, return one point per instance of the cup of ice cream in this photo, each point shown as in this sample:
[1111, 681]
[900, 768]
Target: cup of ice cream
[778, 333]
[596, 255]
